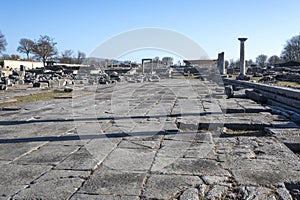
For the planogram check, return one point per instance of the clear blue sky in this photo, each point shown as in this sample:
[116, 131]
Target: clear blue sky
[213, 24]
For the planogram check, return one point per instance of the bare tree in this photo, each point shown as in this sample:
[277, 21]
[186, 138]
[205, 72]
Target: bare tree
[261, 60]
[80, 57]
[5, 56]
[66, 56]
[226, 63]
[25, 46]
[3, 42]
[249, 62]
[44, 48]
[231, 63]
[274, 60]
[167, 60]
[14, 57]
[291, 51]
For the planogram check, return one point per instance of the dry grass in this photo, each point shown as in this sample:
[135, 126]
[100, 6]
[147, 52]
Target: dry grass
[288, 83]
[32, 98]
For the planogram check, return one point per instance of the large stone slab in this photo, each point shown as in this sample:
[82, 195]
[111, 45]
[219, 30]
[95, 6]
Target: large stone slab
[289, 136]
[114, 182]
[188, 166]
[80, 160]
[47, 155]
[168, 186]
[186, 149]
[10, 151]
[191, 193]
[7, 191]
[15, 177]
[128, 159]
[52, 189]
[264, 176]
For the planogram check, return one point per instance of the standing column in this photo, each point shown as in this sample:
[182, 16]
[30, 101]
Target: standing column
[221, 63]
[143, 69]
[151, 66]
[242, 57]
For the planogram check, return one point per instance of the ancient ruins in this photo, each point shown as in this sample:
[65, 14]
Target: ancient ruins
[149, 131]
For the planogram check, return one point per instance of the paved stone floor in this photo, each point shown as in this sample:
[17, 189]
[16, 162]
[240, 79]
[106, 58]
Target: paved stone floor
[175, 139]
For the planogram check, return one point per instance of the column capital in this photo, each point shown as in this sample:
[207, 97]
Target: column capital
[242, 39]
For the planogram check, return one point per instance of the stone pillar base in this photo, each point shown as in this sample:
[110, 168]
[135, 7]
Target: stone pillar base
[243, 77]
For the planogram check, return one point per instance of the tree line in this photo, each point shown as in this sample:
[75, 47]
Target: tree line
[261, 60]
[43, 49]
[290, 52]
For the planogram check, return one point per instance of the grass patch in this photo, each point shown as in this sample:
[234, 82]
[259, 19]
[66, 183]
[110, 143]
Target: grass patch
[232, 133]
[288, 83]
[255, 78]
[33, 98]
[185, 77]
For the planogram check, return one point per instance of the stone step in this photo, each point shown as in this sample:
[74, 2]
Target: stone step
[289, 136]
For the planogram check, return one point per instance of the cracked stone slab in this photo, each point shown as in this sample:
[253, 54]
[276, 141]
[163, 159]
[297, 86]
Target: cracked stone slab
[191, 193]
[256, 154]
[14, 174]
[14, 177]
[181, 149]
[237, 162]
[130, 159]
[102, 146]
[52, 189]
[47, 155]
[80, 160]
[103, 181]
[264, 177]
[188, 166]
[11, 151]
[168, 186]
[7, 191]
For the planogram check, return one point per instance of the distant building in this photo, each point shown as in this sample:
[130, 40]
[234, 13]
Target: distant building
[9, 65]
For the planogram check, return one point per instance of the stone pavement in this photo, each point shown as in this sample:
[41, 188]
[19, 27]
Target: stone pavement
[174, 139]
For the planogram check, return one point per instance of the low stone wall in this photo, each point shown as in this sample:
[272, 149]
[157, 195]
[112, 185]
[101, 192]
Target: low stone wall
[274, 95]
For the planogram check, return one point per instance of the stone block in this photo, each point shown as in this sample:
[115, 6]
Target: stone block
[229, 91]
[40, 84]
[255, 96]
